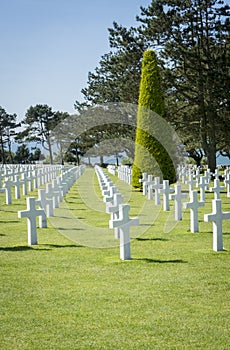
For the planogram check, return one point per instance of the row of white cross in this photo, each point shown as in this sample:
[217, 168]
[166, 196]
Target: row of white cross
[187, 175]
[202, 182]
[124, 173]
[25, 178]
[112, 169]
[217, 216]
[119, 213]
[48, 200]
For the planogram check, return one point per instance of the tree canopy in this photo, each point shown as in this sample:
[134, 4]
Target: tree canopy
[8, 125]
[191, 39]
[39, 122]
[154, 143]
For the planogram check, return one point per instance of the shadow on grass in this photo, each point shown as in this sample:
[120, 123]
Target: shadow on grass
[151, 239]
[67, 229]
[2, 235]
[148, 225]
[6, 206]
[9, 221]
[73, 202]
[38, 247]
[176, 261]
[62, 245]
[19, 248]
[10, 211]
[70, 218]
[77, 208]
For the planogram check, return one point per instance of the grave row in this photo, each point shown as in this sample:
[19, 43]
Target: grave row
[25, 178]
[124, 173]
[152, 187]
[112, 169]
[119, 213]
[185, 174]
[48, 199]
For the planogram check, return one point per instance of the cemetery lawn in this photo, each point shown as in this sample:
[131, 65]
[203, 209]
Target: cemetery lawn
[66, 294]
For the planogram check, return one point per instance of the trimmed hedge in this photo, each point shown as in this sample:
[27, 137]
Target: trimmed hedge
[151, 155]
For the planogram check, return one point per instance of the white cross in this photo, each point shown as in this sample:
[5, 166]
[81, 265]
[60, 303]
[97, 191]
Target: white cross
[57, 189]
[42, 218]
[7, 186]
[112, 208]
[1, 189]
[207, 175]
[144, 185]
[62, 185]
[166, 191]
[217, 216]
[46, 203]
[106, 188]
[183, 174]
[129, 178]
[193, 205]
[227, 184]
[24, 184]
[227, 171]
[123, 223]
[216, 189]
[51, 193]
[17, 184]
[197, 177]
[109, 197]
[31, 213]
[178, 196]
[41, 177]
[190, 182]
[35, 177]
[217, 174]
[156, 186]
[203, 186]
[6, 170]
[31, 178]
[148, 183]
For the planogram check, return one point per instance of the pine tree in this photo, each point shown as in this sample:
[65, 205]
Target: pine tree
[151, 155]
[193, 37]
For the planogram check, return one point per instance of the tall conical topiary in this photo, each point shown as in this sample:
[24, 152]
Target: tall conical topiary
[152, 135]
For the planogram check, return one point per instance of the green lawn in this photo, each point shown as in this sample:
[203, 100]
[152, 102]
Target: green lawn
[77, 294]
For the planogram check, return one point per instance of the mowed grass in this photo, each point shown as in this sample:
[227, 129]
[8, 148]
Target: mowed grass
[63, 294]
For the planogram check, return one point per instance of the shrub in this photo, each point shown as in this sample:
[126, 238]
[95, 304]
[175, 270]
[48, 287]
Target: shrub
[152, 144]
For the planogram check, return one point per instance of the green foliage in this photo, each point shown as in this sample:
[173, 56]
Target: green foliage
[192, 41]
[40, 120]
[117, 77]
[37, 155]
[173, 294]
[127, 161]
[151, 95]
[150, 155]
[22, 154]
[101, 130]
[8, 126]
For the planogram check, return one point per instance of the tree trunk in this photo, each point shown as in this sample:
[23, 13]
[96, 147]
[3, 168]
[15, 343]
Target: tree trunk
[10, 152]
[3, 151]
[50, 150]
[207, 126]
[117, 159]
[211, 157]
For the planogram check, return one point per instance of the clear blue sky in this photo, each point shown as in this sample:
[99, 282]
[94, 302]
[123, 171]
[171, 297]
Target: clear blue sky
[49, 46]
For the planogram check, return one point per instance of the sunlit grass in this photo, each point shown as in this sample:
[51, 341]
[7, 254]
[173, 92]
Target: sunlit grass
[61, 294]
